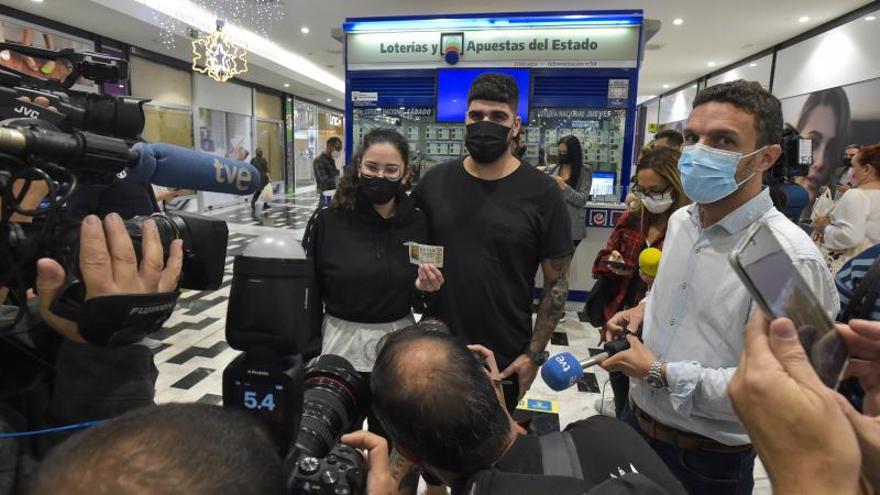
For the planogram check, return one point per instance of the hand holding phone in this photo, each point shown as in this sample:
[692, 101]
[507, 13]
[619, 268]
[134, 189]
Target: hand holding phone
[781, 292]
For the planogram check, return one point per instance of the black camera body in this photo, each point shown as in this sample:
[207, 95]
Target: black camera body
[274, 315]
[341, 472]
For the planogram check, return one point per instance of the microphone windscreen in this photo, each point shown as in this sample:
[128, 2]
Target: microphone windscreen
[173, 166]
[561, 371]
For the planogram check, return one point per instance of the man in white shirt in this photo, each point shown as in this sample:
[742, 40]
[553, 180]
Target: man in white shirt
[697, 309]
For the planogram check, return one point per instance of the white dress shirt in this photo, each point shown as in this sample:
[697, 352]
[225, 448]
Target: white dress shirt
[697, 310]
[855, 218]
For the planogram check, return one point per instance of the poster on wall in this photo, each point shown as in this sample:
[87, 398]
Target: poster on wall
[834, 118]
[12, 31]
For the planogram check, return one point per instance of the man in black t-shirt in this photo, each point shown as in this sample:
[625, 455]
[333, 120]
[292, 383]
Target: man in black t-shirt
[498, 219]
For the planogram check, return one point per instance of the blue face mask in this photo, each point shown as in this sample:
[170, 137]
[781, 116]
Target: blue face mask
[709, 174]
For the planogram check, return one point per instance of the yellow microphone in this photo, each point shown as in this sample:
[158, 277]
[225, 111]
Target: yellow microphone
[649, 261]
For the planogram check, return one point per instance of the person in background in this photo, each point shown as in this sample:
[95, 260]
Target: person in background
[809, 438]
[173, 448]
[262, 166]
[574, 180]
[855, 220]
[842, 177]
[359, 249]
[670, 138]
[324, 166]
[851, 275]
[499, 219]
[824, 119]
[659, 193]
[693, 316]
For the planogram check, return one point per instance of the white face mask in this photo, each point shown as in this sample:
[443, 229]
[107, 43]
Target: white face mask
[657, 205]
[335, 155]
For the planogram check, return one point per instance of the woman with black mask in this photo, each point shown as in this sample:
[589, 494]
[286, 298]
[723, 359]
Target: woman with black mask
[359, 247]
[574, 180]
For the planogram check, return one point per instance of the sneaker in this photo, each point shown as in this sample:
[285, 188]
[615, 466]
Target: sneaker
[605, 407]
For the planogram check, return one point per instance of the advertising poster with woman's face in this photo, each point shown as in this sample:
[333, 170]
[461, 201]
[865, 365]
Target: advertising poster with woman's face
[58, 70]
[834, 118]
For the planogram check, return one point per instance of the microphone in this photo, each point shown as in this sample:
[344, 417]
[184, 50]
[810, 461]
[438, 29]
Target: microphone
[564, 370]
[173, 166]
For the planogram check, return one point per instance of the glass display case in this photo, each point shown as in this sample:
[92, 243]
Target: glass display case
[430, 142]
[600, 131]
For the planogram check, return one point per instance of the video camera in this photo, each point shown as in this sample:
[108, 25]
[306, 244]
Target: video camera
[274, 314]
[79, 138]
[797, 156]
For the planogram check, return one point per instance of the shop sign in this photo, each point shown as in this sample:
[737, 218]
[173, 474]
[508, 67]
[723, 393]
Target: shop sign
[364, 96]
[593, 47]
[618, 91]
[397, 112]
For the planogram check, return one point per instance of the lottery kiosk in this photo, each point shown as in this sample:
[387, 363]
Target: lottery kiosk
[577, 74]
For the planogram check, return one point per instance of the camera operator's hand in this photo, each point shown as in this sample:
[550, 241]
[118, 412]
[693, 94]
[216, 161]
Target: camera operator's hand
[109, 266]
[430, 278]
[630, 319]
[795, 422]
[379, 481]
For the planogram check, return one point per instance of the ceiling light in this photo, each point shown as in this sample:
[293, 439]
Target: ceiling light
[199, 18]
[305, 30]
[286, 85]
[753, 64]
[37, 1]
[711, 64]
[870, 18]
[803, 19]
[694, 86]
[678, 21]
[121, 85]
[665, 86]
[329, 100]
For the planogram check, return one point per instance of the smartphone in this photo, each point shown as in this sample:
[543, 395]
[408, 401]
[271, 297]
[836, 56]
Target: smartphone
[780, 290]
[620, 265]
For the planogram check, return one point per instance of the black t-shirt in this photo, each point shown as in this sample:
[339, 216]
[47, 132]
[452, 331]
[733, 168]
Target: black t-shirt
[491, 482]
[605, 446]
[362, 262]
[495, 235]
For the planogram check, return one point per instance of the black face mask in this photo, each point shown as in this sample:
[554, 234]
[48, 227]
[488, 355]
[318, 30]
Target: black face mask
[377, 190]
[847, 161]
[486, 141]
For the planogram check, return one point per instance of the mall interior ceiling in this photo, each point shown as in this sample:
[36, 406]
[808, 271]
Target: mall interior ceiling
[695, 37]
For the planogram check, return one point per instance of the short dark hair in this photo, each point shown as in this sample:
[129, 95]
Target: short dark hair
[174, 448]
[443, 408]
[751, 97]
[334, 141]
[495, 87]
[346, 191]
[674, 137]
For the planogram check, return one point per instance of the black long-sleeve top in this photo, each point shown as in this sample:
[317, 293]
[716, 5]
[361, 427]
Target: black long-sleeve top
[362, 263]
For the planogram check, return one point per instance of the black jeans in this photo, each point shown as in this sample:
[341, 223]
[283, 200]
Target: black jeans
[703, 472]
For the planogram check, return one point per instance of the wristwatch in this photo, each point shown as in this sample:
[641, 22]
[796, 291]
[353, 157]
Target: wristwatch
[539, 357]
[655, 375]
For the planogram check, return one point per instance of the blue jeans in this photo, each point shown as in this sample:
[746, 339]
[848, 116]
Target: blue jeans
[703, 472]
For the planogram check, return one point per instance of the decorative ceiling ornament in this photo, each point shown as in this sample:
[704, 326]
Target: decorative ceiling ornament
[217, 55]
[258, 16]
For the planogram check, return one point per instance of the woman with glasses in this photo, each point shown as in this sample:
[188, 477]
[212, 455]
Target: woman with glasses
[658, 190]
[359, 248]
[574, 180]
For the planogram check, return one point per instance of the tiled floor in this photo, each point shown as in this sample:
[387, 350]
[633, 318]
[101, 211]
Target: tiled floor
[193, 352]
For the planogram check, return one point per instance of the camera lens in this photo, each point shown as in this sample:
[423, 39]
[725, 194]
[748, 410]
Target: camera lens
[335, 397]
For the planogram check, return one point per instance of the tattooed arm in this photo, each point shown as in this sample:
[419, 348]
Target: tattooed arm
[550, 311]
[404, 473]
